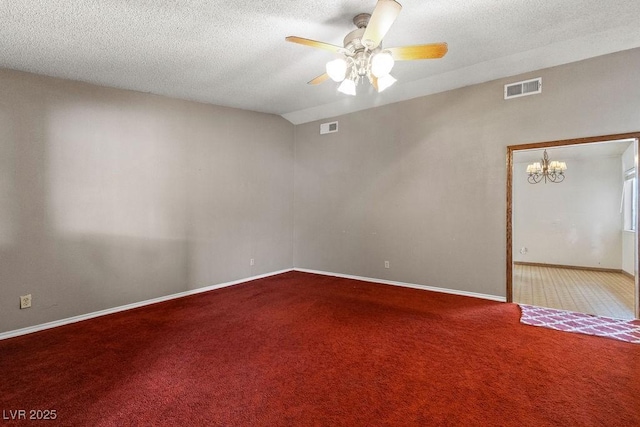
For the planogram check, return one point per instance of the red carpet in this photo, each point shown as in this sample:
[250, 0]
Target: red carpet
[304, 350]
[581, 323]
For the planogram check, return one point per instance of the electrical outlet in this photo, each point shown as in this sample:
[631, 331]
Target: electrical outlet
[386, 264]
[25, 301]
[252, 261]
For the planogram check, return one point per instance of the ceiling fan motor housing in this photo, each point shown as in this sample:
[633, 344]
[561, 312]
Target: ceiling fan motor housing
[356, 49]
[353, 40]
[362, 20]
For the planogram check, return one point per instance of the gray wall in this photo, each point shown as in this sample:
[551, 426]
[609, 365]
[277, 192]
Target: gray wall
[421, 183]
[110, 197]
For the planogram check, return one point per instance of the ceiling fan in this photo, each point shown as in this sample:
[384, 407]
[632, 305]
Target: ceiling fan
[363, 55]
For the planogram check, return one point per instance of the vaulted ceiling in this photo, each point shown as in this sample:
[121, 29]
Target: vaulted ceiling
[233, 53]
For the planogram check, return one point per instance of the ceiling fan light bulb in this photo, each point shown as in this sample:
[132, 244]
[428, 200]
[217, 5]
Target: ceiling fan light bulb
[348, 87]
[385, 81]
[337, 69]
[381, 63]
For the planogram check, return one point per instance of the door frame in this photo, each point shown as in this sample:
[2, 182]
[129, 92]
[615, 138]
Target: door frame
[560, 143]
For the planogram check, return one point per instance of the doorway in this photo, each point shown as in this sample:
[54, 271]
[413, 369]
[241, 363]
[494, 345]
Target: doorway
[575, 242]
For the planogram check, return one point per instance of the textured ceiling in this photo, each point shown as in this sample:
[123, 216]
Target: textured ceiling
[233, 53]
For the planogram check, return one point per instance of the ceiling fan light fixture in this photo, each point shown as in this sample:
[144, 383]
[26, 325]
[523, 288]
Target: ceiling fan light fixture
[337, 69]
[385, 82]
[362, 56]
[381, 63]
[348, 87]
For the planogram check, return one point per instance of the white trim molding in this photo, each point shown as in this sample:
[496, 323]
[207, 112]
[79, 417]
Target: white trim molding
[87, 316]
[407, 285]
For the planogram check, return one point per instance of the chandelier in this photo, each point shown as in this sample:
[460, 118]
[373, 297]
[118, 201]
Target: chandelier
[546, 170]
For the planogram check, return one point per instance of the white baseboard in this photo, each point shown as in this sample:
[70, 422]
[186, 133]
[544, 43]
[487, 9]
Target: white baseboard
[408, 285]
[87, 316]
[74, 319]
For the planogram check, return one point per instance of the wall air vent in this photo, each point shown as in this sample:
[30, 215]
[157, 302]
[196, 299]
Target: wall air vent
[527, 87]
[330, 127]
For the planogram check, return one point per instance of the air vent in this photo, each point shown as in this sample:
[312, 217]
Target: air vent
[330, 127]
[527, 87]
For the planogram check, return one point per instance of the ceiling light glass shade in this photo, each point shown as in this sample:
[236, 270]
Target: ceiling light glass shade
[337, 69]
[381, 64]
[385, 81]
[348, 87]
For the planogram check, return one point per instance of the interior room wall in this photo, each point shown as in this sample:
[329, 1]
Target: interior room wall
[574, 223]
[111, 197]
[628, 237]
[422, 183]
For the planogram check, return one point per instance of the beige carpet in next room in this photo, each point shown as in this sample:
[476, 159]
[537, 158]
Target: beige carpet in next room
[594, 292]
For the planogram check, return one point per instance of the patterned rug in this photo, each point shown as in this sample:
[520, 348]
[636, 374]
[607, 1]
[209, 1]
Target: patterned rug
[568, 321]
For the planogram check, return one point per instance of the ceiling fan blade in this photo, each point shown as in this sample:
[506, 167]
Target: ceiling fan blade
[313, 43]
[422, 51]
[374, 83]
[383, 16]
[321, 78]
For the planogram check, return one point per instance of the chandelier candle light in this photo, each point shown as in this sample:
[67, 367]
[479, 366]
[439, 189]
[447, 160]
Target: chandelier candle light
[547, 170]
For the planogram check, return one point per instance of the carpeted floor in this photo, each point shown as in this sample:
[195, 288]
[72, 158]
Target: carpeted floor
[299, 349]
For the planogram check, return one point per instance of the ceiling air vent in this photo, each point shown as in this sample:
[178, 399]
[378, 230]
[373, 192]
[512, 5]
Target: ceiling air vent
[527, 87]
[330, 127]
